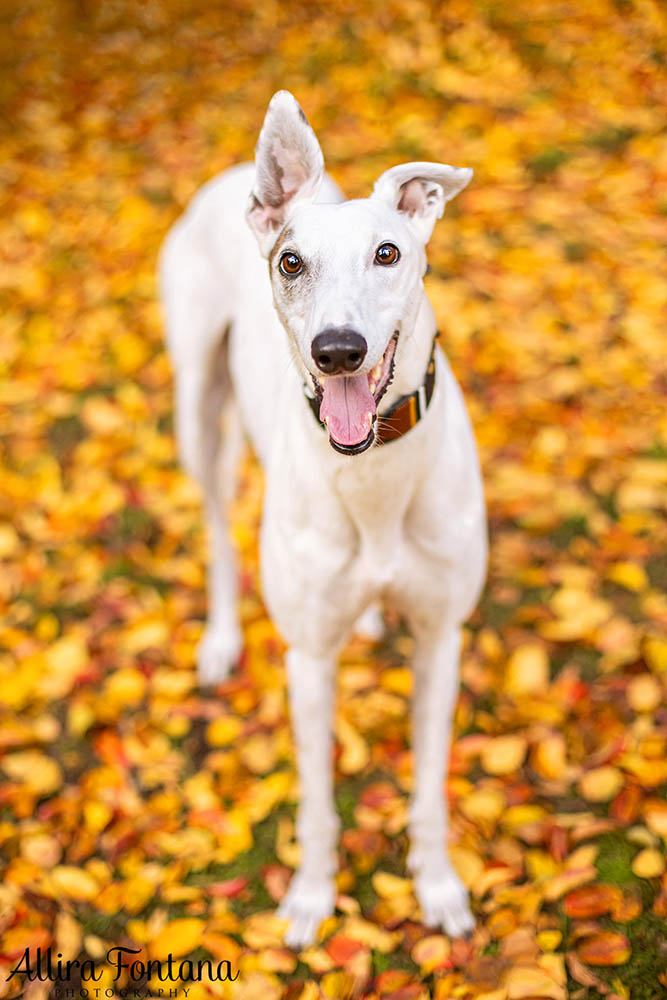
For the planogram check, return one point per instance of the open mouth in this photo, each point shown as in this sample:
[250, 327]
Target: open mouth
[348, 403]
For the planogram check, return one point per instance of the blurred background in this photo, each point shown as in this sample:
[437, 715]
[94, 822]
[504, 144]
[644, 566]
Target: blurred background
[134, 811]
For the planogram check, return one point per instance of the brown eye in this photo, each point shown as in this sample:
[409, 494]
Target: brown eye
[386, 253]
[290, 264]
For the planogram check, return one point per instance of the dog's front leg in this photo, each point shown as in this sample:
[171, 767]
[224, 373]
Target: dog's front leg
[442, 896]
[311, 894]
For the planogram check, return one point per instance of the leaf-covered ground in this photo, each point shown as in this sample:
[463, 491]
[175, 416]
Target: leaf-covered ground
[133, 810]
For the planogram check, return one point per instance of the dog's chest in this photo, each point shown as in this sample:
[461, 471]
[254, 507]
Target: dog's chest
[376, 500]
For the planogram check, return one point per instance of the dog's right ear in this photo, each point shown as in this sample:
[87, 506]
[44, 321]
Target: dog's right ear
[290, 167]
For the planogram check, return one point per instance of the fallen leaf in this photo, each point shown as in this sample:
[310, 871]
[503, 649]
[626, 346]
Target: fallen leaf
[178, 937]
[504, 754]
[607, 948]
[649, 863]
[601, 783]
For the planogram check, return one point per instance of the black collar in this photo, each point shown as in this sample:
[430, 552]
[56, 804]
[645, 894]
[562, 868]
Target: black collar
[405, 413]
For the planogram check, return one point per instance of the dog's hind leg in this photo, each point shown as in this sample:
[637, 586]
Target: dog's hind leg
[441, 894]
[205, 404]
[222, 641]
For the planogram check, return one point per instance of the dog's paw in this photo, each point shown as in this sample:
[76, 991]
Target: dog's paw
[444, 903]
[218, 652]
[308, 902]
[370, 625]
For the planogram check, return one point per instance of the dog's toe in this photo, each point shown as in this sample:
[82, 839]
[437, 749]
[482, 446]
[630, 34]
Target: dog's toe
[444, 903]
[218, 652]
[308, 902]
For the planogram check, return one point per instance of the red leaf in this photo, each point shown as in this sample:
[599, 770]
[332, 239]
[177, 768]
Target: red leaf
[232, 887]
[625, 807]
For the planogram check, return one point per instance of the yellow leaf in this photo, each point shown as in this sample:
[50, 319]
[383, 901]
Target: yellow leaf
[655, 651]
[223, 731]
[125, 686]
[75, 883]
[524, 982]
[554, 966]
[258, 986]
[143, 634]
[9, 541]
[368, 933]
[549, 757]
[65, 659]
[80, 717]
[649, 863]
[96, 815]
[601, 784]
[264, 930]
[42, 850]
[173, 684]
[483, 805]
[137, 892]
[68, 936]
[630, 575]
[178, 937]
[578, 614]
[259, 753]
[518, 816]
[356, 753]
[40, 774]
[571, 878]
[276, 960]
[644, 693]
[549, 940]
[467, 864]
[504, 754]
[101, 416]
[389, 886]
[656, 817]
[528, 670]
[337, 985]
[398, 680]
[540, 865]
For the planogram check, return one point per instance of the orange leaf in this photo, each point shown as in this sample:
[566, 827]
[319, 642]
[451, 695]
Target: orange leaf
[343, 948]
[626, 909]
[17, 939]
[607, 948]
[591, 901]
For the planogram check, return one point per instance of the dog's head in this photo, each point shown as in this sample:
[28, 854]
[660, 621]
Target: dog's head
[346, 277]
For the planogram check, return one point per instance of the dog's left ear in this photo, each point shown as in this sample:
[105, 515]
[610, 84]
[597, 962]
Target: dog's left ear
[419, 191]
[289, 165]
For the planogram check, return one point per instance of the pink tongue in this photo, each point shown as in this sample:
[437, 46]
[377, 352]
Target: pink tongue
[347, 401]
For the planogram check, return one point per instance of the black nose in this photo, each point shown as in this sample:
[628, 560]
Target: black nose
[338, 349]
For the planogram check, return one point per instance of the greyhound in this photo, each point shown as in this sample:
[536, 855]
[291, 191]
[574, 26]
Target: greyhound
[373, 488]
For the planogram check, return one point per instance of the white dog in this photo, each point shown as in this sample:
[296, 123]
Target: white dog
[373, 489]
